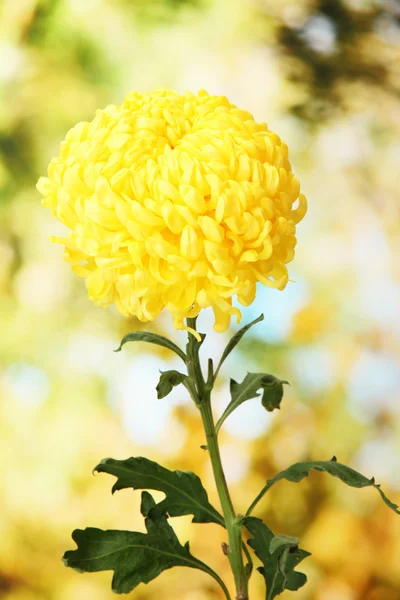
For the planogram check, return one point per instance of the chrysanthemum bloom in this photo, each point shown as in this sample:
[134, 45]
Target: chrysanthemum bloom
[175, 201]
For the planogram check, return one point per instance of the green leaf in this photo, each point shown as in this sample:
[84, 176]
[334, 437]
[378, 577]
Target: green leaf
[300, 470]
[133, 556]
[169, 380]
[272, 390]
[233, 342]
[152, 338]
[279, 554]
[184, 492]
[282, 540]
[272, 393]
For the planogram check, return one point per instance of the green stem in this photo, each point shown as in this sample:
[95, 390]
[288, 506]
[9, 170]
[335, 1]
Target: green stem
[249, 566]
[232, 523]
[218, 579]
[257, 500]
[270, 594]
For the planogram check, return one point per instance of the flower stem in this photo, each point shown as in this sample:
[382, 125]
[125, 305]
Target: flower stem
[232, 522]
[233, 525]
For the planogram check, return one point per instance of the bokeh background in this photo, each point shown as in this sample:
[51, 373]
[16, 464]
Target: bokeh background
[325, 75]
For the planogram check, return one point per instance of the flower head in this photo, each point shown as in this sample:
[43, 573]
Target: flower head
[175, 201]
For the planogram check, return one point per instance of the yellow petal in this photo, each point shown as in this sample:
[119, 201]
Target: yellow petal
[191, 245]
[211, 230]
[249, 256]
[193, 198]
[298, 214]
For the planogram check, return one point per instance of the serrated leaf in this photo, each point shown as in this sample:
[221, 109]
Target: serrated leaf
[133, 556]
[147, 504]
[233, 342]
[272, 390]
[185, 494]
[300, 470]
[151, 338]
[169, 380]
[272, 393]
[279, 555]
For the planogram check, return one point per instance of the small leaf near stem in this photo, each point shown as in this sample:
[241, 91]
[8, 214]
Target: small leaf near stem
[279, 554]
[249, 566]
[272, 393]
[151, 338]
[134, 557]
[193, 363]
[233, 342]
[286, 541]
[169, 380]
[300, 470]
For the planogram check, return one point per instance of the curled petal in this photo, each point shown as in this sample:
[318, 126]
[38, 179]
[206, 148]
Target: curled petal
[299, 213]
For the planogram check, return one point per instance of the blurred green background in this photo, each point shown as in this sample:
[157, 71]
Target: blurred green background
[325, 75]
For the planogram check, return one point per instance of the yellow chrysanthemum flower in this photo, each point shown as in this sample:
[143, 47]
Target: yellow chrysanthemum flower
[175, 201]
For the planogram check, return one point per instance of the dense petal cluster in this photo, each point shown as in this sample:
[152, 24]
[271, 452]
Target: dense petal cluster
[175, 201]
